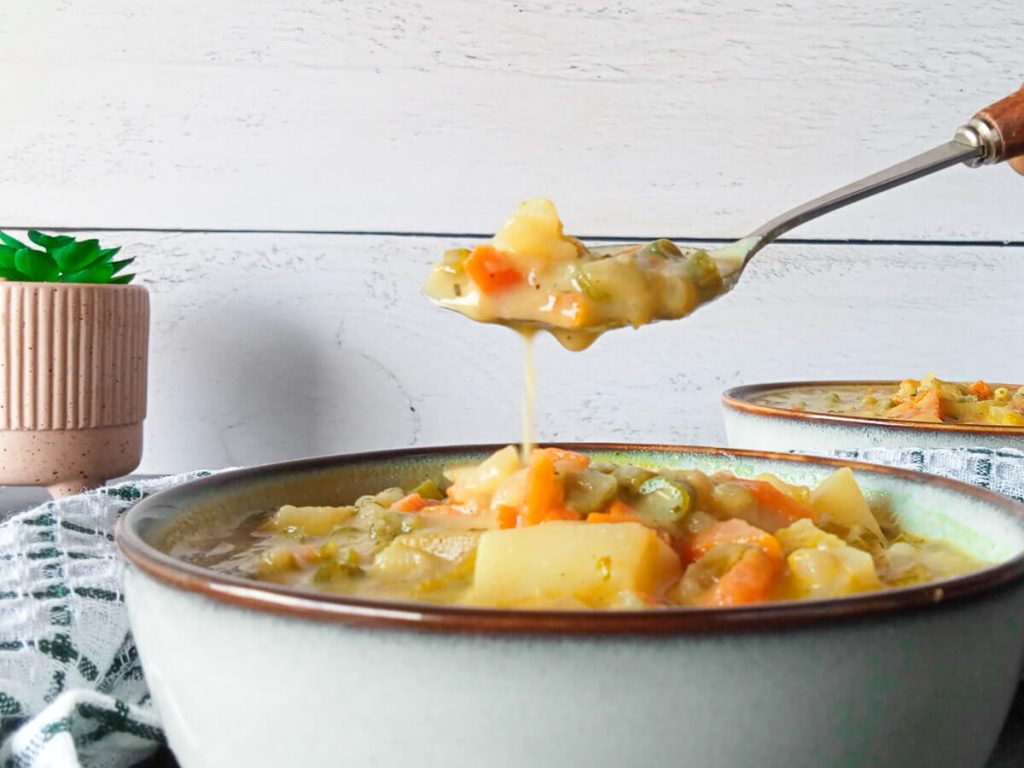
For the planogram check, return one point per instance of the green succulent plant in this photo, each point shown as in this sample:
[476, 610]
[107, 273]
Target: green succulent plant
[60, 259]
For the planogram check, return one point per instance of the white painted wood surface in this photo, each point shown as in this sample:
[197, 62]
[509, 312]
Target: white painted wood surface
[649, 117]
[273, 347]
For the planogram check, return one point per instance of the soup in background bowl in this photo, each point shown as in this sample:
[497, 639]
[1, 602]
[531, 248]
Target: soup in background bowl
[245, 672]
[820, 416]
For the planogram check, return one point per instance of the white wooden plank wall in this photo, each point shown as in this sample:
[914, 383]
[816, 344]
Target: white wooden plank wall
[271, 347]
[641, 116]
[695, 119]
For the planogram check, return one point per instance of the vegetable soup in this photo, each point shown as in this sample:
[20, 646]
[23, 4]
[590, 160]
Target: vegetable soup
[928, 400]
[559, 531]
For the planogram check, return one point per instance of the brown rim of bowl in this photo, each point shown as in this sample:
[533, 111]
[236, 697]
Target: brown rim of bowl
[383, 614]
[739, 399]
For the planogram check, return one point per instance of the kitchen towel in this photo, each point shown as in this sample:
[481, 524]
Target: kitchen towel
[71, 688]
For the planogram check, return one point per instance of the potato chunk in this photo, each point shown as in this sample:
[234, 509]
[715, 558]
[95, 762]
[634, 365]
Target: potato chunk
[839, 499]
[597, 564]
[311, 521]
[482, 480]
[823, 565]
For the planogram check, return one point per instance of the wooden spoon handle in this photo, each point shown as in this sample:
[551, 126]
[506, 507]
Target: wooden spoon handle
[1006, 118]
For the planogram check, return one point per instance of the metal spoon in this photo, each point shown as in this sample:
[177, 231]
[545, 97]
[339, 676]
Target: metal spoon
[994, 134]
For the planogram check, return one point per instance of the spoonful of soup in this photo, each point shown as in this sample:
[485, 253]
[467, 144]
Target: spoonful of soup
[533, 276]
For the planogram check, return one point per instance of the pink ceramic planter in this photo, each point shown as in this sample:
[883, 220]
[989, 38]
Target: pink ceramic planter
[73, 360]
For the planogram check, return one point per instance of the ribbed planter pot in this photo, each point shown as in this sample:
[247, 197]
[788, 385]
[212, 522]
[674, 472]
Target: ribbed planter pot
[73, 360]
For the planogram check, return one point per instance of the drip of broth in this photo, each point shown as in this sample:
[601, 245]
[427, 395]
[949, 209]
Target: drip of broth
[529, 393]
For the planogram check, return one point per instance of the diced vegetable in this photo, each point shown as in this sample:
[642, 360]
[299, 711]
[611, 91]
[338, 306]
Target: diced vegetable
[664, 502]
[309, 521]
[544, 490]
[590, 491]
[828, 572]
[566, 459]
[750, 580]
[428, 490]
[981, 389]
[618, 512]
[838, 499]
[923, 407]
[591, 563]
[732, 531]
[490, 270]
[823, 565]
[771, 508]
[411, 503]
[469, 484]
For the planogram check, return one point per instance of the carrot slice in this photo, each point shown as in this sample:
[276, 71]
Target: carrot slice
[618, 512]
[544, 491]
[562, 513]
[731, 531]
[981, 389]
[781, 504]
[575, 460]
[306, 553]
[508, 517]
[923, 407]
[489, 269]
[411, 503]
[749, 581]
[571, 308]
[447, 509]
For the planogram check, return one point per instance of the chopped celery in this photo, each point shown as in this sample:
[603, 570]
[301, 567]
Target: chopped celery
[582, 282]
[704, 271]
[664, 499]
[663, 247]
[428, 490]
[589, 491]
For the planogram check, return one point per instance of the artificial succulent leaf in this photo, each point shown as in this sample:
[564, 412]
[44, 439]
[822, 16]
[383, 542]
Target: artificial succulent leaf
[122, 279]
[7, 257]
[12, 275]
[36, 266]
[119, 265]
[12, 242]
[39, 238]
[59, 241]
[76, 256]
[99, 273]
[109, 253]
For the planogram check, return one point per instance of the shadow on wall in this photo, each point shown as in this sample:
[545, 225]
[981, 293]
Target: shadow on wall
[261, 383]
[246, 396]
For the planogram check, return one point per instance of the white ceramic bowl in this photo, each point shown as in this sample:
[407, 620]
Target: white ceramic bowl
[753, 425]
[251, 674]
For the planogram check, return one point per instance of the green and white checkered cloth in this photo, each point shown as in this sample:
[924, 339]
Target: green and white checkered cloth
[71, 687]
[72, 693]
[999, 470]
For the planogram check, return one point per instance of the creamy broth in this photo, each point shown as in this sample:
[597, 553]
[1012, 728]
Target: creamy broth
[531, 275]
[529, 395]
[926, 400]
[558, 531]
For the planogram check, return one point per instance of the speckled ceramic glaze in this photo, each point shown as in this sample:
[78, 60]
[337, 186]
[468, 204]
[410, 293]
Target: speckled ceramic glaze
[749, 424]
[72, 383]
[261, 675]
